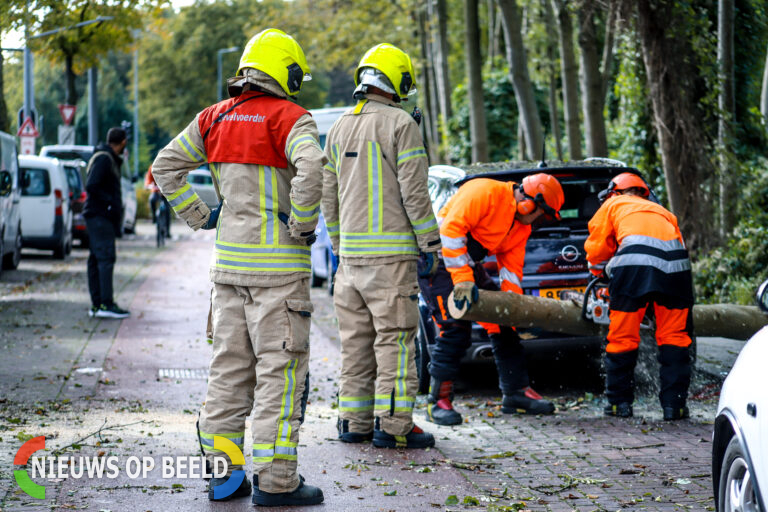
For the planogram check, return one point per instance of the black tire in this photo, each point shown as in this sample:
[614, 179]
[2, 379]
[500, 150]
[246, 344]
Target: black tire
[737, 483]
[85, 242]
[317, 281]
[60, 252]
[12, 260]
[2, 253]
[422, 355]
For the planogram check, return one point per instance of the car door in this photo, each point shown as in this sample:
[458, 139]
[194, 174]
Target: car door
[37, 202]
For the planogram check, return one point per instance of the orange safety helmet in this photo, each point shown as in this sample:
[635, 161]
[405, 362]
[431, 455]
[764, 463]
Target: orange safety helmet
[541, 191]
[624, 181]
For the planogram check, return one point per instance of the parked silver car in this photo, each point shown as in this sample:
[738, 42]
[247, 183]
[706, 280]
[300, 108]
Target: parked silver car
[10, 209]
[202, 183]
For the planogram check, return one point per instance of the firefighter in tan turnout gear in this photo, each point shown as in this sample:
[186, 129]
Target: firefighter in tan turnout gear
[379, 215]
[264, 154]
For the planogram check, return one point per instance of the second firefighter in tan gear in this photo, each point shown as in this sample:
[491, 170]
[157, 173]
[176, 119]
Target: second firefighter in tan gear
[379, 215]
[264, 155]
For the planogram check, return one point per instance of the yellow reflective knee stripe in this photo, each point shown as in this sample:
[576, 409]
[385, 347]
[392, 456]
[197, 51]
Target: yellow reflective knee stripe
[424, 225]
[410, 154]
[263, 452]
[182, 197]
[356, 403]
[382, 402]
[190, 149]
[305, 213]
[333, 228]
[286, 407]
[375, 190]
[268, 205]
[300, 141]
[207, 440]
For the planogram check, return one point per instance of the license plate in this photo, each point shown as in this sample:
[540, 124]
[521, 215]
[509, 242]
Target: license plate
[559, 293]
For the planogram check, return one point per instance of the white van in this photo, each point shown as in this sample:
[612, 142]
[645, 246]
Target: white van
[84, 153]
[10, 195]
[46, 216]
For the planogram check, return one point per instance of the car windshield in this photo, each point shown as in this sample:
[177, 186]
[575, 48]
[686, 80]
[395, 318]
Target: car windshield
[70, 154]
[200, 179]
[73, 179]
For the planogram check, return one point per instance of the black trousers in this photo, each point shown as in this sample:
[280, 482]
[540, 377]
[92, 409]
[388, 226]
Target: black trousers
[455, 336]
[101, 261]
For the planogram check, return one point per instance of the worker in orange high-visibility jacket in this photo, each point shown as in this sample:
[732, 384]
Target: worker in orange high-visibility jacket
[485, 217]
[637, 244]
[266, 161]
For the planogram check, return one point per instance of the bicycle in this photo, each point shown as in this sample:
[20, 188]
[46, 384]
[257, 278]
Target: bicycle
[162, 221]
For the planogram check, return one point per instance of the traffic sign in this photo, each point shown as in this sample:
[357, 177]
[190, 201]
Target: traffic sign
[67, 113]
[27, 129]
[27, 145]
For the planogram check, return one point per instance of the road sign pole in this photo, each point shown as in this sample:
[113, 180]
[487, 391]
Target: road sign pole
[93, 106]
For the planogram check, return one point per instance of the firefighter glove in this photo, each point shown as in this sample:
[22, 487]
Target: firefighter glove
[465, 293]
[427, 264]
[309, 237]
[213, 218]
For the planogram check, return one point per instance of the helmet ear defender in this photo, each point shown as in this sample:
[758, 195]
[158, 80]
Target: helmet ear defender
[405, 84]
[526, 206]
[295, 77]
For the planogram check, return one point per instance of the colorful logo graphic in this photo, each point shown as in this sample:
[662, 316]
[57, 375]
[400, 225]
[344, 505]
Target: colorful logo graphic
[22, 477]
[236, 478]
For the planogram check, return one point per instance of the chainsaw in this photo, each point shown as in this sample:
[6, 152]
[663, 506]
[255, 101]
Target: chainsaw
[596, 307]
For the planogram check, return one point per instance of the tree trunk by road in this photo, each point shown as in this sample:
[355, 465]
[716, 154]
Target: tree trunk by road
[610, 31]
[518, 70]
[569, 73]
[554, 118]
[764, 93]
[70, 76]
[564, 316]
[477, 129]
[4, 126]
[442, 71]
[592, 96]
[429, 119]
[670, 64]
[726, 103]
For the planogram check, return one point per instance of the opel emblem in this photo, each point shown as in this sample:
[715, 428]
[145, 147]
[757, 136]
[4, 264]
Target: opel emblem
[570, 253]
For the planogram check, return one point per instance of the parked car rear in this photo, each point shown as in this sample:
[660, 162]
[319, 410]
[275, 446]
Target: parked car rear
[202, 183]
[75, 170]
[555, 263]
[46, 216]
[10, 207]
[84, 153]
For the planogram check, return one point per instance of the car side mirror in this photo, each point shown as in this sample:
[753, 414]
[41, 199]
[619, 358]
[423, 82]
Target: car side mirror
[762, 296]
[6, 183]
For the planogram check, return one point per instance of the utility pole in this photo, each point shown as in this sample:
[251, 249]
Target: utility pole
[136, 111]
[219, 85]
[93, 114]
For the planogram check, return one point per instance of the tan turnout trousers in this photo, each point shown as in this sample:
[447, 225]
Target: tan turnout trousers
[377, 310]
[261, 355]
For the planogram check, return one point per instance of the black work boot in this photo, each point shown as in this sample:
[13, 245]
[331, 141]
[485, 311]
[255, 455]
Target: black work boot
[620, 377]
[302, 495]
[621, 410]
[676, 413]
[351, 437]
[223, 492]
[440, 407]
[526, 401]
[675, 377]
[416, 438]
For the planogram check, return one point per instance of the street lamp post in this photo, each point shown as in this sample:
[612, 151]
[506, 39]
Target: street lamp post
[219, 53]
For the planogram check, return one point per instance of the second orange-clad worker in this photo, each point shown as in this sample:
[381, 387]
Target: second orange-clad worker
[485, 217]
[638, 245]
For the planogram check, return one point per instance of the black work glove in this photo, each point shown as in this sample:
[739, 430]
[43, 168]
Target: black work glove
[427, 264]
[213, 218]
[309, 237]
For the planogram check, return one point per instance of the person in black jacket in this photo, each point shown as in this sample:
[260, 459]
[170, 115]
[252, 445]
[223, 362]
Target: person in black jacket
[103, 217]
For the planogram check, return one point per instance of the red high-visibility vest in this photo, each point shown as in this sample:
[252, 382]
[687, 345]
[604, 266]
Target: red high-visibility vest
[254, 132]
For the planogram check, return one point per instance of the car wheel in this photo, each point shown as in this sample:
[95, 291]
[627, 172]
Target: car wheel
[60, 252]
[422, 356]
[13, 259]
[317, 281]
[737, 486]
[2, 249]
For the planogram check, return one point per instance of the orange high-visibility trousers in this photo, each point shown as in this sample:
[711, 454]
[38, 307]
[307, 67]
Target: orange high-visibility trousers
[672, 328]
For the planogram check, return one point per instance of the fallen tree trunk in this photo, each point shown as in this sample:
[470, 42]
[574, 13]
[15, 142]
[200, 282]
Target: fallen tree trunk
[564, 316]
